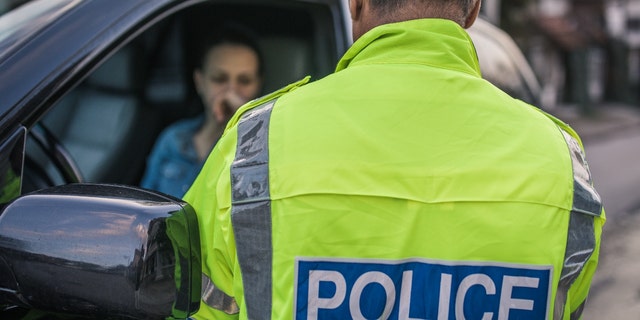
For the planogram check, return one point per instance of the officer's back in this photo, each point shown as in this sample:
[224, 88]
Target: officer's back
[401, 186]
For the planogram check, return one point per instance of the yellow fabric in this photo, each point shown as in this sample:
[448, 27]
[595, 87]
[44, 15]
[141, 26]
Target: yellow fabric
[210, 195]
[404, 152]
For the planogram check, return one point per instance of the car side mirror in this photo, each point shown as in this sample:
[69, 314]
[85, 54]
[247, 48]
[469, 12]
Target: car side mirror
[100, 250]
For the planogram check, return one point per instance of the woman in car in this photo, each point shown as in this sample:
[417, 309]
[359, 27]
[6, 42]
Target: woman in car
[229, 74]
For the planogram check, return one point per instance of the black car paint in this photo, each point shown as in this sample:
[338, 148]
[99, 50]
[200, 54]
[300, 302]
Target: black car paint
[56, 56]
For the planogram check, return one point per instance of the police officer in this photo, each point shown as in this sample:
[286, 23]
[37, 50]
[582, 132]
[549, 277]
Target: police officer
[402, 186]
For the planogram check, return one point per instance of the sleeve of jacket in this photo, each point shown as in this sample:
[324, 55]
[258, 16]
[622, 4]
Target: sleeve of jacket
[210, 196]
[579, 291]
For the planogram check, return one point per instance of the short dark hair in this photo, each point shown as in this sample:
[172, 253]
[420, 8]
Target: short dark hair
[387, 6]
[230, 33]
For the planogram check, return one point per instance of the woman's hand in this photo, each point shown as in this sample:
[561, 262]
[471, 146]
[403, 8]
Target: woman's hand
[225, 105]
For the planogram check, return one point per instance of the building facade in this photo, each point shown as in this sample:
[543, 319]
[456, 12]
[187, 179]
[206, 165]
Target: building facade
[583, 51]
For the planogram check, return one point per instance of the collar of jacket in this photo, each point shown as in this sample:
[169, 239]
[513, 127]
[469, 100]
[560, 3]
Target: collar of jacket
[435, 42]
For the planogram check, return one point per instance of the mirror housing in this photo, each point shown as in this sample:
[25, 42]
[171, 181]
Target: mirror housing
[101, 250]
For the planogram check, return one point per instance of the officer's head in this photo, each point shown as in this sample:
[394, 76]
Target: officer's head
[367, 14]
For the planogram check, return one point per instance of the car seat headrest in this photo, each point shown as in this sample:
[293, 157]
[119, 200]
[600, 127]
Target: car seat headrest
[287, 59]
[118, 73]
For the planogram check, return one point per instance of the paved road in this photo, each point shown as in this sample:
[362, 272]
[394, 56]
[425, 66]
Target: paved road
[615, 293]
[615, 165]
[612, 142]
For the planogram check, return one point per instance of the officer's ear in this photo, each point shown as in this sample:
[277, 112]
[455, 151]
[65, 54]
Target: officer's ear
[363, 18]
[471, 18]
[355, 9]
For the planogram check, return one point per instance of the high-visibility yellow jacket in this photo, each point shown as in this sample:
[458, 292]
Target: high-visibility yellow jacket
[401, 186]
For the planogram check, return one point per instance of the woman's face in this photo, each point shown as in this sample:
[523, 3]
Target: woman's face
[229, 77]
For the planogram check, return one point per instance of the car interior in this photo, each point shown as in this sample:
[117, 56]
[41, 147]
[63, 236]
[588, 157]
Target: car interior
[107, 125]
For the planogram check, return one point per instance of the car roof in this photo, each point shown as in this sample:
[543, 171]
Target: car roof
[18, 25]
[43, 42]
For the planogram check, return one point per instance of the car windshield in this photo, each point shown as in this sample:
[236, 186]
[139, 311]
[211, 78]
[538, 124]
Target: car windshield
[18, 24]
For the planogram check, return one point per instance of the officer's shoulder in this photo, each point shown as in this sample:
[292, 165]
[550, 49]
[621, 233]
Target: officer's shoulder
[559, 123]
[266, 99]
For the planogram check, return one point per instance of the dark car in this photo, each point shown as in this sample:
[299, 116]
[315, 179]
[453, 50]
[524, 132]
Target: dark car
[85, 88]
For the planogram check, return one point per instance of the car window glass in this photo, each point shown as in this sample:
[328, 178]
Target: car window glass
[110, 121]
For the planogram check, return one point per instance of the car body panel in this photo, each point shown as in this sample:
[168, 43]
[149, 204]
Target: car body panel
[71, 43]
[89, 249]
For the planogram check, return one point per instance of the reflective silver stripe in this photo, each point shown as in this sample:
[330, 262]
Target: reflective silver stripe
[216, 298]
[578, 313]
[585, 198]
[251, 209]
[580, 236]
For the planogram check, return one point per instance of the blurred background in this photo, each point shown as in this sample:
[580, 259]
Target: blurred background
[584, 52]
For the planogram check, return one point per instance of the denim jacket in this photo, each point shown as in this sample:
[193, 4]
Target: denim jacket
[173, 163]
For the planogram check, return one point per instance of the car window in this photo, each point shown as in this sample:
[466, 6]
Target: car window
[110, 121]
